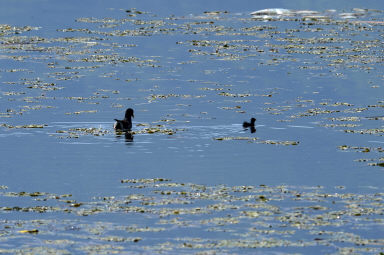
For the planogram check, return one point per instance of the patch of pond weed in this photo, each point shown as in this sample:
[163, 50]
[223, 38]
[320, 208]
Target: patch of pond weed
[229, 218]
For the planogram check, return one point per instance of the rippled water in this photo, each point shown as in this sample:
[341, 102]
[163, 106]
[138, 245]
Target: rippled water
[310, 177]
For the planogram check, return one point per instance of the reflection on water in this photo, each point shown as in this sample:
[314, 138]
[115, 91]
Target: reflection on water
[128, 136]
[252, 129]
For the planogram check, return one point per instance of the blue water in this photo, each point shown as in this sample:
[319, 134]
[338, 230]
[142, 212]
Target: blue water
[176, 75]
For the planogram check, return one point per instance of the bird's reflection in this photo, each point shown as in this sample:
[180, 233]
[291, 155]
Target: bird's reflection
[128, 135]
[251, 129]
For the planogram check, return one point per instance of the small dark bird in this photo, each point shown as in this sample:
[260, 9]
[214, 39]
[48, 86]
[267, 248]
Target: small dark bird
[126, 123]
[247, 124]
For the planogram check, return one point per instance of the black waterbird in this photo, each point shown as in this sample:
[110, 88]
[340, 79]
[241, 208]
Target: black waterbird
[249, 124]
[126, 123]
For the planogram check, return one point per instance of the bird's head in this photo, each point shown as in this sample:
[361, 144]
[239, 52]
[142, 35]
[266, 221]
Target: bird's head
[129, 113]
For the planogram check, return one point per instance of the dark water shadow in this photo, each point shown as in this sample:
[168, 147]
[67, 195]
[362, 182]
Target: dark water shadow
[128, 136]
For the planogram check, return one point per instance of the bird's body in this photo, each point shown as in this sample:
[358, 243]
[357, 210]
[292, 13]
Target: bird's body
[123, 125]
[126, 123]
[249, 124]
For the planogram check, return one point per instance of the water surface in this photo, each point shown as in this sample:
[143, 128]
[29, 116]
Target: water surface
[193, 73]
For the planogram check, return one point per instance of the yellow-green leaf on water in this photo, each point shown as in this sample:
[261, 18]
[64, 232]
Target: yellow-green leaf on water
[29, 231]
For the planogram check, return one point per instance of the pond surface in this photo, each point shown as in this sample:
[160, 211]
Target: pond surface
[189, 178]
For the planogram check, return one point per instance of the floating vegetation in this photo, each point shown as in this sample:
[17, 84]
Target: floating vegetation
[143, 181]
[368, 151]
[86, 131]
[152, 98]
[78, 132]
[341, 125]
[94, 43]
[157, 129]
[80, 112]
[381, 164]
[231, 108]
[29, 231]
[257, 140]
[24, 126]
[231, 218]
[6, 29]
[345, 119]
[371, 131]
[236, 138]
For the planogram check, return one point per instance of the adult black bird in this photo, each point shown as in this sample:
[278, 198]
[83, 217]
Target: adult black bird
[126, 123]
[249, 124]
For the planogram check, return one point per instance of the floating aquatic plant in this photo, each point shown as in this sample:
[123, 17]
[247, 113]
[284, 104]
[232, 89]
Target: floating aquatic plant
[245, 217]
